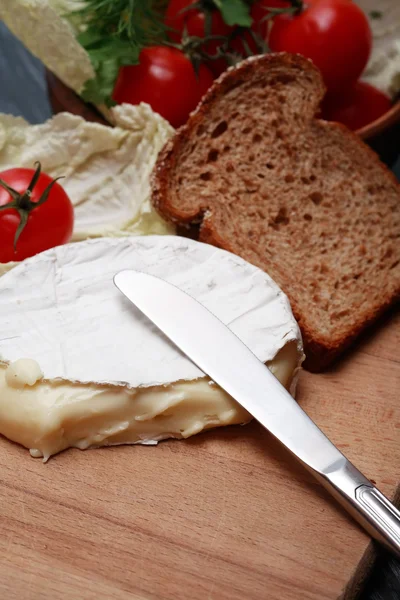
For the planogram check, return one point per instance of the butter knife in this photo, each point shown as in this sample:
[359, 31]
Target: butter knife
[220, 354]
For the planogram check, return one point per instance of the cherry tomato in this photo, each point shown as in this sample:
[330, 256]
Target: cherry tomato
[49, 224]
[196, 24]
[176, 16]
[360, 105]
[165, 79]
[334, 34]
[179, 17]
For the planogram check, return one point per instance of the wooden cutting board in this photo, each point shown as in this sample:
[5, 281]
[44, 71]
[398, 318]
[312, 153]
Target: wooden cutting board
[227, 515]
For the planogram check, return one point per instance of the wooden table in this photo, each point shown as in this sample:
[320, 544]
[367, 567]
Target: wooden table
[224, 515]
[227, 515]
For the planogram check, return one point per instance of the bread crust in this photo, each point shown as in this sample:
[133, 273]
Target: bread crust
[319, 353]
[228, 80]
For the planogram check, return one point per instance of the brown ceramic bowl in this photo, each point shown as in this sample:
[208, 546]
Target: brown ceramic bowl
[384, 122]
[64, 99]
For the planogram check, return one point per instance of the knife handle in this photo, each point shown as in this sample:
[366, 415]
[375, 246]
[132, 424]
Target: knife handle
[379, 517]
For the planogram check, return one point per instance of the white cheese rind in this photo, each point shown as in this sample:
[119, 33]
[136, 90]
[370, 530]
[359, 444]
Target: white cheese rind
[62, 309]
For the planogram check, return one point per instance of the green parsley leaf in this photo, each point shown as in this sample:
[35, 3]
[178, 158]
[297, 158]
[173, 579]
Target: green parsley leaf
[376, 14]
[113, 34]
[99, 90]
[235, 12]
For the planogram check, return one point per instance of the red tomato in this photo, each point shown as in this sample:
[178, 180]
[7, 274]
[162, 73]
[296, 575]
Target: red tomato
[196, 27]
[48, 225]
[165, 79]
[356, 107]
[334, 34]
[194, 21]
[176, 17]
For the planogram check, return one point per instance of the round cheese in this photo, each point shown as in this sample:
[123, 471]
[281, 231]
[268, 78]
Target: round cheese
[83, 368]
[62, 309]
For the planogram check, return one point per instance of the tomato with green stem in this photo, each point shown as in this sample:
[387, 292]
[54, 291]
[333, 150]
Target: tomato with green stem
[180, 18]
[35, 213]
[262, 15]
[196, 26]
[248, 42]
[334, 34]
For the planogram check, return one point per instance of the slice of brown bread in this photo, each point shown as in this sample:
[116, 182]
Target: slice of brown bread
[301, 198]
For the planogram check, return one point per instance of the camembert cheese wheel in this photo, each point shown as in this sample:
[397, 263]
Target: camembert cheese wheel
[79, 367]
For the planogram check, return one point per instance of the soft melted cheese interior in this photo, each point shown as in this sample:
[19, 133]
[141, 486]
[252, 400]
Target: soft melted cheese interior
[50, 416]
[102, 374]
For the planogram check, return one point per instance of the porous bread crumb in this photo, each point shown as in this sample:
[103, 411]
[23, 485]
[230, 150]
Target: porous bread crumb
[301, 198]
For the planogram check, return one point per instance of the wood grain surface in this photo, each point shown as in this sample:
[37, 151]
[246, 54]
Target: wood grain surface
[227, 515]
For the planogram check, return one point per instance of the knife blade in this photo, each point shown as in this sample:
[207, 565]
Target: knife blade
[221, 355]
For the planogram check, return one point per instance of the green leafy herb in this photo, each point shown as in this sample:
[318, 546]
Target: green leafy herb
[376, 14]
[235, 12]
[113, 33]
[99, 90]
